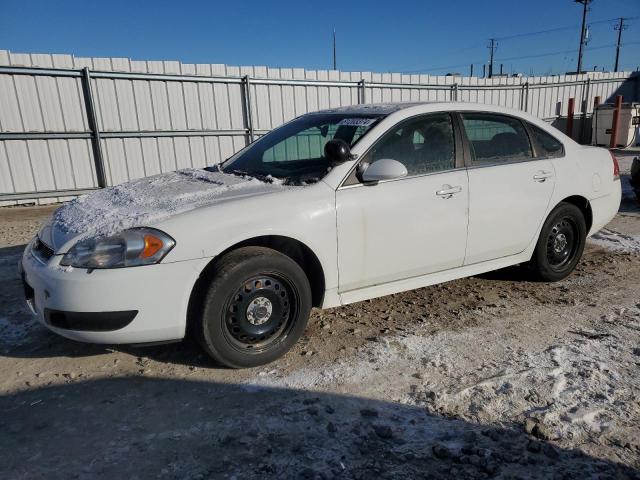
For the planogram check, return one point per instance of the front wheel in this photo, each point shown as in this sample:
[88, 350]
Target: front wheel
[560, 244]
[255, 309]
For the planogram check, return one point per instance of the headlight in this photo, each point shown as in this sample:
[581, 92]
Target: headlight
[131, 248]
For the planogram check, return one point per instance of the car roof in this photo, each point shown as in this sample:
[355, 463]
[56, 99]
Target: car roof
[373, 108]
[388, 108]
[411, 108]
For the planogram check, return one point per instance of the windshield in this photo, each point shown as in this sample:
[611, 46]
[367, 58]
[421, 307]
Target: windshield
[295, 151]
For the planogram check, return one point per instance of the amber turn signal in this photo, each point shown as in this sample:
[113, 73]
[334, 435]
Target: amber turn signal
[152, 245]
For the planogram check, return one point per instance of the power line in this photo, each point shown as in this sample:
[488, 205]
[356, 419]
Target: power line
[613, 19]
[539, 32]
[404, 69]
[527, 34]
[538, 55]
[559, 52]
[447, 67]
[559, 29]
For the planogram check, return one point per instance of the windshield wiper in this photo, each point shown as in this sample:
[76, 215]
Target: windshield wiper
[241, 173]
[263, 177]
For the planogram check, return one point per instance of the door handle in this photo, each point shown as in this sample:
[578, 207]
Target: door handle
[448, 191]
[541, 176]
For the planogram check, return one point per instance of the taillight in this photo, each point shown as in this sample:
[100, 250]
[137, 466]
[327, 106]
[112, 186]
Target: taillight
[616, 167]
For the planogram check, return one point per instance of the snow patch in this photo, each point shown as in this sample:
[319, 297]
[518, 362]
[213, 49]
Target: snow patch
[366, 362]
[572, 388]
[616, 242]
[15, 333]
[148, 200]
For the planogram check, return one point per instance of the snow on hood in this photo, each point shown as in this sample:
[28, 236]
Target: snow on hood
[145, 201]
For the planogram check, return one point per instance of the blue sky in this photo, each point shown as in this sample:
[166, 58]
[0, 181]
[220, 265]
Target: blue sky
[401, 36]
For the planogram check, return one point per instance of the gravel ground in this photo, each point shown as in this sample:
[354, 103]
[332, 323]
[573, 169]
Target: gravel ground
[490, 376]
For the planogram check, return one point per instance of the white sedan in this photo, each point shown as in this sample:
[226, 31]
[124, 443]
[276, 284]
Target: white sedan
[334, 207]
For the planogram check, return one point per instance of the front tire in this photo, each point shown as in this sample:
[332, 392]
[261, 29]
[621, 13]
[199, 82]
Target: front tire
[561, 243]
[255, 309]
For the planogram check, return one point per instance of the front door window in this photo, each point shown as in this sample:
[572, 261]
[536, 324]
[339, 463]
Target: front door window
[423, 145]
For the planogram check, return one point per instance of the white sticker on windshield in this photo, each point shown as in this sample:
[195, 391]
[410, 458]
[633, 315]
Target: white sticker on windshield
[356, 122]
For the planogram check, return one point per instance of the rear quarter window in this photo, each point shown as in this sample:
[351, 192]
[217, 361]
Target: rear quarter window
[547, 146]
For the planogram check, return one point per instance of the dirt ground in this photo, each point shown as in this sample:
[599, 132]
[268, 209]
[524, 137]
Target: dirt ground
[490, 376]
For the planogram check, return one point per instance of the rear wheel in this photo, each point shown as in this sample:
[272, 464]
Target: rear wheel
[255, 309]
[560, 244]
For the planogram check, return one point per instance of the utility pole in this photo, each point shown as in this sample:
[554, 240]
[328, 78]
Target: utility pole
[583, 31]
[619, 27]
[492, 49]
[334, 49]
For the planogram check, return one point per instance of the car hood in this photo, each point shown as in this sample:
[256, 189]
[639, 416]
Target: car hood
[144, 202]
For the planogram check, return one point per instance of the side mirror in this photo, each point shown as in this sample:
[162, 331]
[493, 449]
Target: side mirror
[384, 169]
[337, 151]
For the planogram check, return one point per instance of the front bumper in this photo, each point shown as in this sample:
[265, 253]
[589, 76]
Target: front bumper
[91, 300]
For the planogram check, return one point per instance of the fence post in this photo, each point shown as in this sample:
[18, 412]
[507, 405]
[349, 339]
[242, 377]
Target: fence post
[570, 109]
[586, 89]
[614, 124]
[92, 120]
[248, 118]
[454, 92]
[362, 93]
[526, 96]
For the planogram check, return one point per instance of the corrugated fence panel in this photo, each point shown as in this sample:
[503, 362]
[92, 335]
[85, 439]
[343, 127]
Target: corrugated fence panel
[144, 107]
[19, 162]
[107, 104]
[10, 117]
[42, 104]
[29, 102]
[83, 166]
[195, 115]
[177, 108]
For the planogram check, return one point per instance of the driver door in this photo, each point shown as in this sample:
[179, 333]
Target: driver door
[410, 226]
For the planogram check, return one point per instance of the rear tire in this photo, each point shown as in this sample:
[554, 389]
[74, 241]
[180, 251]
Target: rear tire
[561, 243]
[255, 309]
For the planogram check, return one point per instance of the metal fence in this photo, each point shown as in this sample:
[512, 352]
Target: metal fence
[69, 125]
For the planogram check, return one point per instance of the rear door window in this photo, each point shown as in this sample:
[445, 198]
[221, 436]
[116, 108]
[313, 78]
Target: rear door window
[495, 138]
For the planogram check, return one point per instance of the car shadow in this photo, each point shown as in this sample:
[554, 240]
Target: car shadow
[516, 273]
[630, 203]
[149, 428]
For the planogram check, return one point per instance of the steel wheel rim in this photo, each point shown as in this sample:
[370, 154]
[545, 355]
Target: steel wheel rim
[260, 313]
[562, 243]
